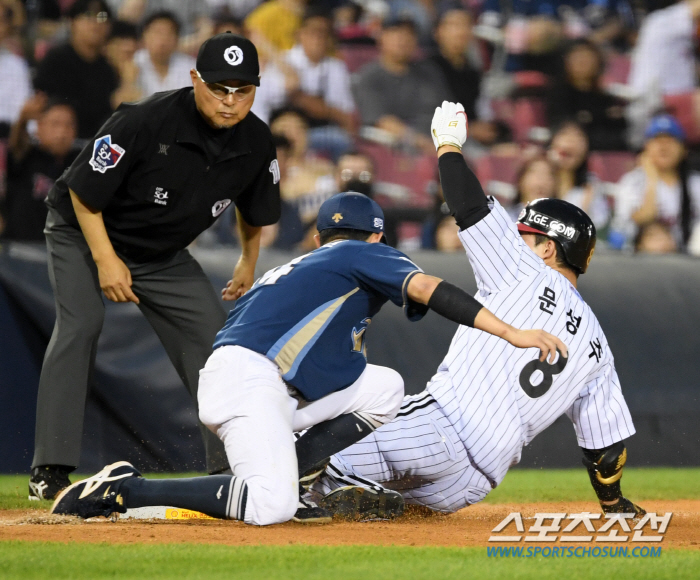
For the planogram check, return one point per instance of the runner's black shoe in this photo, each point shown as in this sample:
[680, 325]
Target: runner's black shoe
[362, 503]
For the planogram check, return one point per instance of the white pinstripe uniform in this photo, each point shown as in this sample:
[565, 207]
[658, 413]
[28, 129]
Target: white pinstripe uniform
[450, 445]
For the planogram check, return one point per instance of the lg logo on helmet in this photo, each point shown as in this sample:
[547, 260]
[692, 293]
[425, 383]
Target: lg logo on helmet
[233, 55]
[553, 225]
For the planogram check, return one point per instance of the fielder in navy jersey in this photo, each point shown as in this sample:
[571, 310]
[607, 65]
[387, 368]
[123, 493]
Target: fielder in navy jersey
[291, 358]
[449, 446]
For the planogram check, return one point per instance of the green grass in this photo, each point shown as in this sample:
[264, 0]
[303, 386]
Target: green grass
[638, 483]
[27, 560]
[519, 486]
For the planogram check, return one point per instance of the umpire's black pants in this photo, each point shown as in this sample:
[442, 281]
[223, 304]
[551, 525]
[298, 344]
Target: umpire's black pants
[175, 296]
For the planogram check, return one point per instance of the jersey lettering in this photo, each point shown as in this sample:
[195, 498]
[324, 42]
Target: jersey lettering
[573, 323]
[596, 350]
[547, 300]
[272, 276]
[358, 338]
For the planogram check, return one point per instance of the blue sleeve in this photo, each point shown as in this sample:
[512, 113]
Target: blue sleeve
[491, 6]
[387, 272]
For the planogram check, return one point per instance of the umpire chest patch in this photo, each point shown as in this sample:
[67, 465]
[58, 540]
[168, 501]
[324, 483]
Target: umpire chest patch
[159, 195]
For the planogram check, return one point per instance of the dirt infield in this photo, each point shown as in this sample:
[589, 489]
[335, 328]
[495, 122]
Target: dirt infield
[468, 527]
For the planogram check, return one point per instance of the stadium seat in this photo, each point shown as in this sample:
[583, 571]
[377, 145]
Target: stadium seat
[617, 69]
[356, 56]
[404, 179]
[683, 108]
[521, 115]
[527, 113]
[530, 79]
[498, 174]
[610, 166]
[494, 167]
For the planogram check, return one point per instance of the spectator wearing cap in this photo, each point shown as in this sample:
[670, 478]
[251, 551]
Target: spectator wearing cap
[161, 66]
[77, 72]
[661, 189]
[15, 81]
[324, 93]
[578, 94]
[158, 173]
[396, 94]
[33, 166]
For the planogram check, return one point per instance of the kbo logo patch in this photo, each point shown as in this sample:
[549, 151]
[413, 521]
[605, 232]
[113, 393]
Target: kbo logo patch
[105, 154]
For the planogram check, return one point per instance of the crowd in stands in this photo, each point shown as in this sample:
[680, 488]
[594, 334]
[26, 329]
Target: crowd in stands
[596, 102]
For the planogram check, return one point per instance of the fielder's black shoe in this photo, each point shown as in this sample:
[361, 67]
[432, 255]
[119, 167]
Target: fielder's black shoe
[97, 495]
[624, 506]
[46, 481]
[309, 513]
[361, 503]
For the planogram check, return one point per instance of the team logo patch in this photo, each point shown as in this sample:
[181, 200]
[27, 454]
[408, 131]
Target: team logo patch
[379, 223]
[337, 217]
[233, 55]
[105, 154]
[275, 170]
[219, 207]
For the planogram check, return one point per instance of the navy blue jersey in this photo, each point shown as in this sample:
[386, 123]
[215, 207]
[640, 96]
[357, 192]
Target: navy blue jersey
[310, 316]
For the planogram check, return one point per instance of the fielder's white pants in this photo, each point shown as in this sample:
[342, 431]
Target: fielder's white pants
[243, 399]
[418, 454]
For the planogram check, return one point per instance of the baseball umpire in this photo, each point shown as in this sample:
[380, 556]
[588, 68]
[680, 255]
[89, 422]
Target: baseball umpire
[158, 173]
[292, 357]
[452, 444]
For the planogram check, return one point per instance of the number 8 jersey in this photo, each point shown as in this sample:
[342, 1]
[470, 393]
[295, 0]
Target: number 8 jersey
[310, 315]
[499, 397]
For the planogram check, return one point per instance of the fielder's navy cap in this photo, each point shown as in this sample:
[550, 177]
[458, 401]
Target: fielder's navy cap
[664, 125]
[350, 211]
[228, 57]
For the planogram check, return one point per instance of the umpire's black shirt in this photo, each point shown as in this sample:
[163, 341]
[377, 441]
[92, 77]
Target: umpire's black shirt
[151, 171]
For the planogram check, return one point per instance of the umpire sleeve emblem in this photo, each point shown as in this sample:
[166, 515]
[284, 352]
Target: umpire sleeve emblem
[105, 154]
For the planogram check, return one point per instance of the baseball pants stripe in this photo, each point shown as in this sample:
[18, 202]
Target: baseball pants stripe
[418, 454]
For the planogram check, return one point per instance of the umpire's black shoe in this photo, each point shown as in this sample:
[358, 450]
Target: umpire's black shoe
[97, 495]
[624, 506]
[47, 481]
[362, 503]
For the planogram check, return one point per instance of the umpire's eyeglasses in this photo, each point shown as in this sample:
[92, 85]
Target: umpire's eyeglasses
[220, 92]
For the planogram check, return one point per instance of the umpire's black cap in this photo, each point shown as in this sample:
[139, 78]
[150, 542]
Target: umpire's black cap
[565, 223]
[228, 57]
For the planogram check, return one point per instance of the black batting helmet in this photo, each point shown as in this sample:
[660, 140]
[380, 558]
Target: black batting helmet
[565, 223]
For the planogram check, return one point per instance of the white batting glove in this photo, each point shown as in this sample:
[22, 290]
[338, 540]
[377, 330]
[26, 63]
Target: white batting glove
[449, 126]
